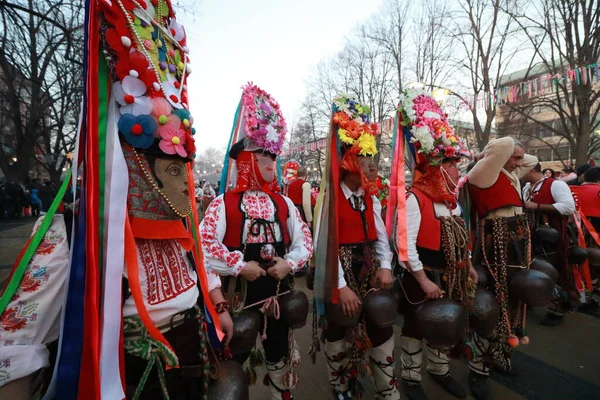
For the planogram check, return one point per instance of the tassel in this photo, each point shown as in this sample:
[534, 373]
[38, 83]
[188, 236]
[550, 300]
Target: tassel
[291, 379]
[251, 375]
[512, 341]
[295, 358]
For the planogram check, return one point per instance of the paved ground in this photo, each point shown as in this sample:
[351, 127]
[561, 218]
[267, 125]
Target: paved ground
[560, 363]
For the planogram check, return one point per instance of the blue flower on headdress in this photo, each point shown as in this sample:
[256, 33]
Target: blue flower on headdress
[182, 113]
[138, 130]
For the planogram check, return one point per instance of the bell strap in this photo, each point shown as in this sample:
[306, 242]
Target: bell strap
[231, 294]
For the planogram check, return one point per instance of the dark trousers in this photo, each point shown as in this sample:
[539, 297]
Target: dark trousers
[185, 341]
[414, 294]
[276, 344]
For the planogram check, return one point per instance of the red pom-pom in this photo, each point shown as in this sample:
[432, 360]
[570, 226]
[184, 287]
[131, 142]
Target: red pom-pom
[513, 341]
[177, 84]
[525, 340]
[287, 395]
[174, 98]
[129, 99]
[137, 129]
[172, 32]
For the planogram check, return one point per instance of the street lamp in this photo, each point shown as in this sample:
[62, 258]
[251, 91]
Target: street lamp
[14, 159]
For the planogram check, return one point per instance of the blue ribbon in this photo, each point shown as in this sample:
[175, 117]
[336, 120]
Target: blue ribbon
[72, 335]
[225, 171]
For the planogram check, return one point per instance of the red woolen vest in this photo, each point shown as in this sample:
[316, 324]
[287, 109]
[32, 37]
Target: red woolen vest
[589, 199]
[430, 232]
[500, 194]
[236, 217]
[295, 191]
[351, 227]
[544, 195]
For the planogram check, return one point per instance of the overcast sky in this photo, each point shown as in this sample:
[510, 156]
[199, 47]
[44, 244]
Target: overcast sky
[274, 43]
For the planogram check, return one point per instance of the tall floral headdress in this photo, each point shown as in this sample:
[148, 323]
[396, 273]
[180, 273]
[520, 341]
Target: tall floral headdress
[258, 125]
[430, 133]
[264, 125]
[290, 171]
[354, 127]
[146, 50]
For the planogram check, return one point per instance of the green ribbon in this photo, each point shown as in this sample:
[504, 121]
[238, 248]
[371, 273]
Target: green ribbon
[15, 281]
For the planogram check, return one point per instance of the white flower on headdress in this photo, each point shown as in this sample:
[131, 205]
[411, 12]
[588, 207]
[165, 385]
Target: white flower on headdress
[272, 135]
[422, 135]
[172, 94]
[445, 140]
[129, 93]
[432, 115]
[177, 30]
[147, 16]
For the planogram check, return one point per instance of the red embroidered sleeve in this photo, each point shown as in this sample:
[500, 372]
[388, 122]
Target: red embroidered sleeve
[212, 230]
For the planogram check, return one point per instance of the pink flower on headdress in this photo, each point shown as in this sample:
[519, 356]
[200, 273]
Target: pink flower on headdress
[163, 114]
[173, 142]
[129, 93]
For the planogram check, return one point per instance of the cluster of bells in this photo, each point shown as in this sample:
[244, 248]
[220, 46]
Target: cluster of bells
[441, 321]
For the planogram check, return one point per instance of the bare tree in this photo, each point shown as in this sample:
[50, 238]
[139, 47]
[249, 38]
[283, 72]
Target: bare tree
[388, 28]
[40, 82]
[565, 35]
[486, 40]
[433, 44]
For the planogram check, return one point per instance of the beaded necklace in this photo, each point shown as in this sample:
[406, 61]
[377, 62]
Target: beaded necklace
[152, 181]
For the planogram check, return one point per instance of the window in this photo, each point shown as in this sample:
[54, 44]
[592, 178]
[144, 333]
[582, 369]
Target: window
[544, 154]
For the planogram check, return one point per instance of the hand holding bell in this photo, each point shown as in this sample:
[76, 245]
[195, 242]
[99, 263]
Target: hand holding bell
[280, 270]
[252, 271]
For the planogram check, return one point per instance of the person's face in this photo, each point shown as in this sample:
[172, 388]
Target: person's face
[173, 175]
[451, 168]
[369, 169]
[548, 174]
[266, 166]
[515, 160]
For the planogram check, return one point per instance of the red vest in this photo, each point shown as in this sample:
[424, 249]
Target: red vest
[295, 191]
[430, 232]
[236, 218]
[588, 196]
[351, 227]
[544, 195]
[500, 194]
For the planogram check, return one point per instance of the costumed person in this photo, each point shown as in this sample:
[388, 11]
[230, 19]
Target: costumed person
[550, 203]
[299, 191]
[208, 195]
[437, 242]
[140, 314]
[255, 237]
[587, 218]
[503, 248]
[353, 259]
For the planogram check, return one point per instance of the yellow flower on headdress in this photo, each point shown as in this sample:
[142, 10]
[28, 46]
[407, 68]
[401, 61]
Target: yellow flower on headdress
[367, 144]
[343, 134]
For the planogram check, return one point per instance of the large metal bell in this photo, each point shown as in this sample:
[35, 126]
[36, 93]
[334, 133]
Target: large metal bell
[380, 308]
[593, 256]
[532, 287]
[293, 309]
[310, 278]
[231, 383]
[246, 326]
[577, 255]
[442, 322]
[335, 313]
[547, 234]
[485, 313]
[483, 276]
[539, 264]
